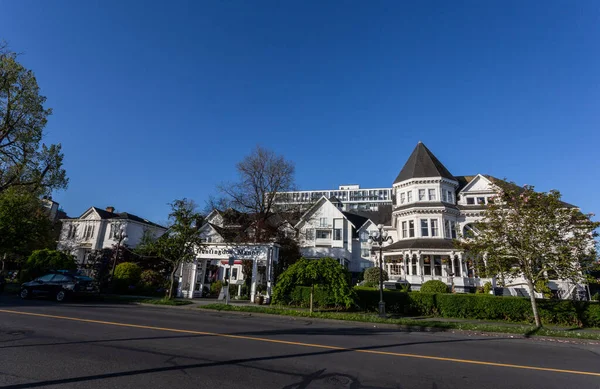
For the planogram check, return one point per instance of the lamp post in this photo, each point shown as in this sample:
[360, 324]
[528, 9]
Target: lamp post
[380, 237]
[121, 236]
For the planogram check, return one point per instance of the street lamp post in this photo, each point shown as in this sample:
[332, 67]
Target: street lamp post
[121, 236]
[380, 237]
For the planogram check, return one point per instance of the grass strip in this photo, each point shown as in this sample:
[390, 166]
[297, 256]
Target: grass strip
[523, 330]
[166, 302]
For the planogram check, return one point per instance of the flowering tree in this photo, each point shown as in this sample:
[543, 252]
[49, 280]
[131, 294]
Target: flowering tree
[534, 235]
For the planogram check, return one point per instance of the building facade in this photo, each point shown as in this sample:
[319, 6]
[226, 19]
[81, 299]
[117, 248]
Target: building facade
[351, 197]
[98, 229]
[431, 207]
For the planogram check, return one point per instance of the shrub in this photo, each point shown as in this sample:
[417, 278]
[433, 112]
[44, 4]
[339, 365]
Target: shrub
[596, 296]
[481, 307]
[372, 276]
[215, 288]
[127, 274]
[151, 279]
[487, 287]
[41, 262]
[434, 286]
[325, 273]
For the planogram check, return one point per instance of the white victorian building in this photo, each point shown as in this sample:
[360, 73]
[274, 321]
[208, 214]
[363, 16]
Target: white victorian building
[431, 207]
[98, 229]
[222, 254]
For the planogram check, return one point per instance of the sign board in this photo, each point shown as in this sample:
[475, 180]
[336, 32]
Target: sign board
[224, 291]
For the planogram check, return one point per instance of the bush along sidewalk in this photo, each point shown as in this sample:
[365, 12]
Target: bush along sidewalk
[412, 324]
[465, 306]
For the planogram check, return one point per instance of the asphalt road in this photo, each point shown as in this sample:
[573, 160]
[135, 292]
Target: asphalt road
[45, 344]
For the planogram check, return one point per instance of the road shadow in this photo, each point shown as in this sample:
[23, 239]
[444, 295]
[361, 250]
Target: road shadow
[304, 379]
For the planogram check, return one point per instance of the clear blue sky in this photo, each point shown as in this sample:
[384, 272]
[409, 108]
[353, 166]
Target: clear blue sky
[158, 100]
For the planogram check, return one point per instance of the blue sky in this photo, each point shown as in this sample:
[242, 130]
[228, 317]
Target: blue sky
[155, 101]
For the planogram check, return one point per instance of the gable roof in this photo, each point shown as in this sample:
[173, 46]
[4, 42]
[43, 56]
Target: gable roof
[463, 181]
[356, 220]
[383, 214]
[422, 163]
[121, 215]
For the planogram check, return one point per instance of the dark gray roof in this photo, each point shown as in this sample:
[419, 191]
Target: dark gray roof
[422, 163]
[124, 216]
[426, 204]
[383, 215]
[421, 244]
[357, 220]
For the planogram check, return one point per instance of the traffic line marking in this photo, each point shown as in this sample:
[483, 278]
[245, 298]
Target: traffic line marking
[313, 345]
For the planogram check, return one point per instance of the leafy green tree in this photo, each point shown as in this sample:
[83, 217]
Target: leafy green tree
[179, 244]
[532, 235]
[289, 253]
[371, 276]
[326, 273]
[25, 161]
[41, 262]
[24, 225]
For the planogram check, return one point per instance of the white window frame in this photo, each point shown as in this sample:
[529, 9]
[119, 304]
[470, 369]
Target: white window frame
[409, 196]
[422, 194]
[431, 195]
[434, 231]
[411, 231]
[402, 197]
[404, 229]
[424, 228]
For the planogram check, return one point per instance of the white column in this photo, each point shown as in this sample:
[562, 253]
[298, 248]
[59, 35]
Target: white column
[192, 279]
[203, 275]
[254, 277]
[270, 254]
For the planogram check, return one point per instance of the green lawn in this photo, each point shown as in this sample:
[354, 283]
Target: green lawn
[525, 330]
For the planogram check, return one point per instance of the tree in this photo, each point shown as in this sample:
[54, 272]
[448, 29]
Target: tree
[24, 224]
[289, 253]
[41, 262]
[533, 235]
[372, 276]
[262, 175]
[24, 160]
[179, 244]
[325, 272]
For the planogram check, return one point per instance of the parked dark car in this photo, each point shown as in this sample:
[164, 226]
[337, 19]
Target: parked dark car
[58, 286]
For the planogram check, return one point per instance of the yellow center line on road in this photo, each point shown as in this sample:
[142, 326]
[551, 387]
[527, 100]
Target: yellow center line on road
[313, 345]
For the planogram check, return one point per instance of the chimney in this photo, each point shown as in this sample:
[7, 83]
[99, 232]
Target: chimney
[110, 209]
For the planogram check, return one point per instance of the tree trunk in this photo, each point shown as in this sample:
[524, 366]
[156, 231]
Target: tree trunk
[172, 284]
[312, 290]
[536, 315]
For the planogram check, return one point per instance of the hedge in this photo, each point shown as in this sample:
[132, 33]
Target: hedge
[300, 296]
[481, 307]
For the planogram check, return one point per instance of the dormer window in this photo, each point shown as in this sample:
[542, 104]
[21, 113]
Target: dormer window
[409, 197]
[470, 200]
[421, 194]
[481, 200]
[402, 197]
[445, 196]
